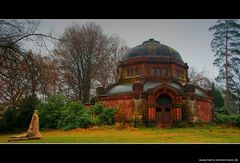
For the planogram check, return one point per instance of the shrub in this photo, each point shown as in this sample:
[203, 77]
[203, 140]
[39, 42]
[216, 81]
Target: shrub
[138, 123]
[58, 100]
[20, 116]
[229, 120]
[93, 100]
[57, 113]
[222, 111]
[26, 109]
[107, 117]
[50, 112]
[74, 116]
[224, 117]
[84, 120]
[101, 115]
[186, 124]
[237, 121]
[97, 109]
[9, 119]
[95, 112]
[182, 124]
[150, 123]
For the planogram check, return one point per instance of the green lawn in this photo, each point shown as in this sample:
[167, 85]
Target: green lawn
[134, 135]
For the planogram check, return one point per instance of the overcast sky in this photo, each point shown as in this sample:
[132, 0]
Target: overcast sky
[190, 37]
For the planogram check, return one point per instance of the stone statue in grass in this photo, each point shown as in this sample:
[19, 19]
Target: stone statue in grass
[33, 130]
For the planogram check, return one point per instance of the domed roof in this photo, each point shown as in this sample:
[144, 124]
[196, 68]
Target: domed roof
[152, 48]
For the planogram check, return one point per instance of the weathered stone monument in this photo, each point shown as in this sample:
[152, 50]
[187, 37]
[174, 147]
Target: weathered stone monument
[32, 132]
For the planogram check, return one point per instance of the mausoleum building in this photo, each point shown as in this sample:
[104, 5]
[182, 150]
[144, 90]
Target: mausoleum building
[153, 85]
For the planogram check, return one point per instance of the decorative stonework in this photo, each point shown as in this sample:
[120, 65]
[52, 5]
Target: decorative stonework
[137, 109]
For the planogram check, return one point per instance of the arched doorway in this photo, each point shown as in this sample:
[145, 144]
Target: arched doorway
[164, 109]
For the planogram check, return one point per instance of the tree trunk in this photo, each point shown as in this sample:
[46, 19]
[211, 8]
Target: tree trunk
[226, 56]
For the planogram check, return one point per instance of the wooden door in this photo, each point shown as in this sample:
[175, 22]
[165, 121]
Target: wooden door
[158, 114]
[163, 109]
[166, 115]
[163, 114]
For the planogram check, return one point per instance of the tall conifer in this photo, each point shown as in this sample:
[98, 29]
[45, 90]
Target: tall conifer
[226, 48]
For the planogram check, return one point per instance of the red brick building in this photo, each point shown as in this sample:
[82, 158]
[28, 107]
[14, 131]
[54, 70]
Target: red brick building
[153, 85]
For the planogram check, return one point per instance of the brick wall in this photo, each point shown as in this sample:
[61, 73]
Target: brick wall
[177, 114]
[124, 106]
[203, 110]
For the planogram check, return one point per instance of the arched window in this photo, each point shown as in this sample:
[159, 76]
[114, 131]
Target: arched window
[164, 99]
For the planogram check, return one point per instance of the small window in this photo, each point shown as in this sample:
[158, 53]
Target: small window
[167, 109]
[164, 71]
[152, 71]
[158, 110]
[158, 72]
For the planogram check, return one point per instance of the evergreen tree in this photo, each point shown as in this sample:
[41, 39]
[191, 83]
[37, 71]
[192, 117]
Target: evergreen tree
[218, 97]
[226, 48]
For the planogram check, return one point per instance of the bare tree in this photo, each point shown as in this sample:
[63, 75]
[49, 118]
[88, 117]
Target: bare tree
[17, 67]
[199, 78]
[43, 75]
[13, 82]
[109, 70]
[34, 69]
[15, 32]
[82, 51]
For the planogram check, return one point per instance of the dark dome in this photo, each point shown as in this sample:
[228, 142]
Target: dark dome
[152, 48]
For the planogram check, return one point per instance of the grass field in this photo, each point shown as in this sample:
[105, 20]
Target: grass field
[136, 135]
